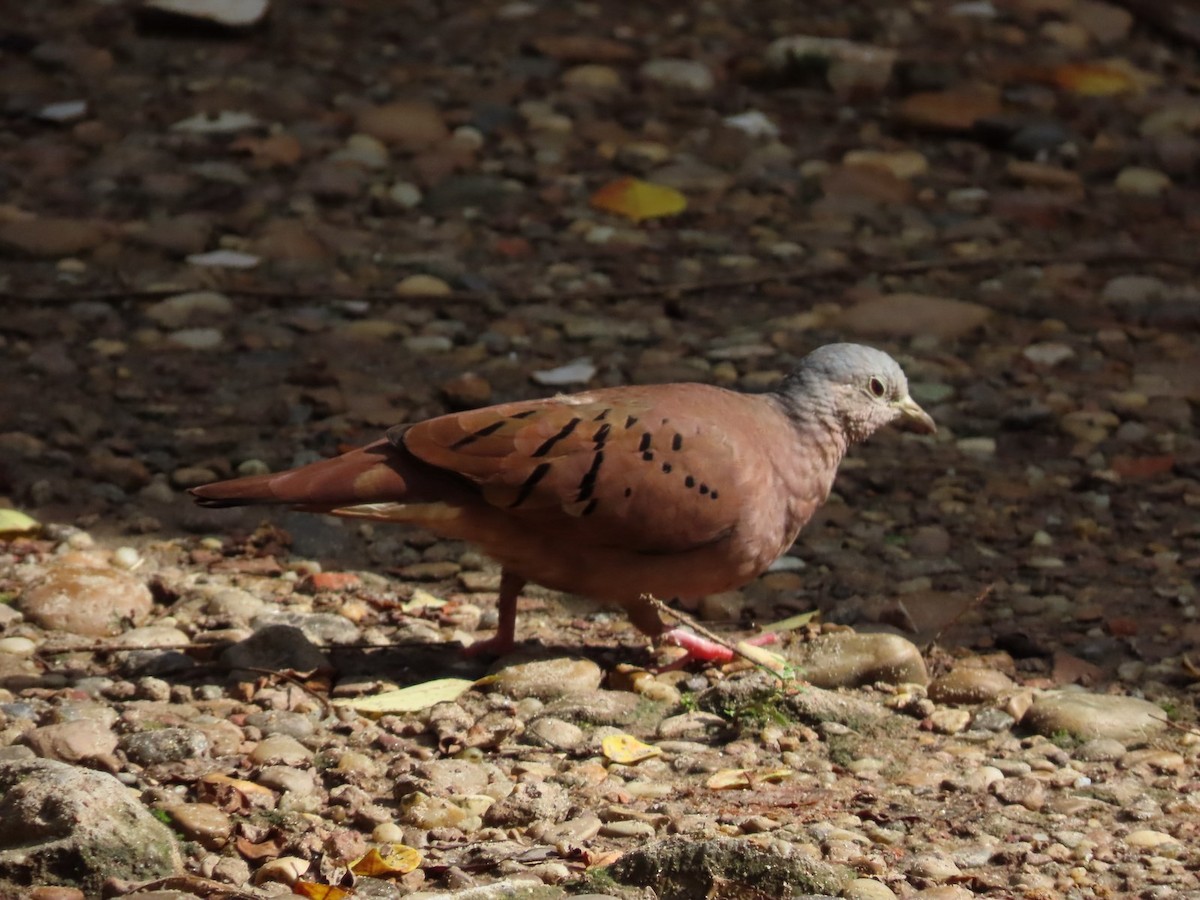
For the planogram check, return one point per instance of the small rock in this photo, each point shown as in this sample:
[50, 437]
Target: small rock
[908, 315]
[529, 802]
[179, 310]
[275, 647]
[969, 684]
[85, 741]
[197, 338]
[52, 237]
[1142, 182]
[86, 601]
[423, 286]
[467, 391]
[164, 745]
[581, 371]
[592, 77]
[952, 110]
[411, 125]
[547, 679]
[203, 823]
[235, 14]
[678, 74]
[280, 749]
[1023, 791]
[850, 660]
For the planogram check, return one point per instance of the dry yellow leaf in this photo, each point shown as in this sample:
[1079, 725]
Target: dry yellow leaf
[639, 200]
[1102, 79]
[13, 522]
[399, 860]
[410, 699]
[626, 749]
[728, 779]
[314, 891]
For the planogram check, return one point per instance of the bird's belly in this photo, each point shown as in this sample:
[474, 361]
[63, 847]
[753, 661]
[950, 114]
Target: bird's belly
[620, 575]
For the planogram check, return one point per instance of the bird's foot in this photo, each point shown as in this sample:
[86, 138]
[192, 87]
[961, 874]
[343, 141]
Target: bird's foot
[497, 645]
[703, 650]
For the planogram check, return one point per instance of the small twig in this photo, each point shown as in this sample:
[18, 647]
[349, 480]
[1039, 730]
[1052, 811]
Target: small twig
[1184, 728]
[855, 269]
[974, 604]
[684, 619]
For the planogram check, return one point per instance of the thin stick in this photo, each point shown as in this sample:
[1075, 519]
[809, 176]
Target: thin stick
[974, 604]
[684, 619]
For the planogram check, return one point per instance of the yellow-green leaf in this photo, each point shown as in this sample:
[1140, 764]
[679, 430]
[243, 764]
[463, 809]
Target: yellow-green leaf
[13, 522]
[793, 622]
[638, 200]
[410, 699]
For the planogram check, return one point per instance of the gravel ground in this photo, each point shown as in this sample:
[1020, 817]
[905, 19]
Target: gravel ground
[230, 250]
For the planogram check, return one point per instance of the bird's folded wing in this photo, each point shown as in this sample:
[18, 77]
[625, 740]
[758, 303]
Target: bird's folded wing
[649, 469]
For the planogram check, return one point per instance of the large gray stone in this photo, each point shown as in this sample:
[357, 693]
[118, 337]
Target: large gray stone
[60, 824]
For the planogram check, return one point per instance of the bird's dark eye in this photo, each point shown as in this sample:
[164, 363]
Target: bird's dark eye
[876, 387]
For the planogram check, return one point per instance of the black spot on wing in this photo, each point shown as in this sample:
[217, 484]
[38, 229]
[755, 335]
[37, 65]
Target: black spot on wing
[628, 492]
[666, 467]
[713, 495]
[529, 484]
[548, 444]
[590, 508]
[523, 415]
[630, 422]
[645, 442]
[677, 442]
[689, 481]
[476, 435]
[601, 434]
[602, 416]
[648, 456]
[704, 488]
[587, 484]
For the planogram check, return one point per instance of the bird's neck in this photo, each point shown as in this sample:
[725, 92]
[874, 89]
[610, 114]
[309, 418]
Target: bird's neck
[820, 431]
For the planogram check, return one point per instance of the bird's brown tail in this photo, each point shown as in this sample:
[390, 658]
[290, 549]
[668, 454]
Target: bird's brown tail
[366, 475]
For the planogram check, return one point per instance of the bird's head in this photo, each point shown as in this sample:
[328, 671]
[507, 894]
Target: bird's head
[860, 387]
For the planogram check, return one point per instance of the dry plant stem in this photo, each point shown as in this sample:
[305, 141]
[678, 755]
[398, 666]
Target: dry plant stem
[684, 619]
[1184, 728]
[974, 604]
[676, 289]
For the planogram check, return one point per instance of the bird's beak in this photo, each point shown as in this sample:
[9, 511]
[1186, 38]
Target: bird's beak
[919, 420]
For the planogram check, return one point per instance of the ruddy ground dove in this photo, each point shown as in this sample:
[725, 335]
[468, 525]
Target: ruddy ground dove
[673, 490]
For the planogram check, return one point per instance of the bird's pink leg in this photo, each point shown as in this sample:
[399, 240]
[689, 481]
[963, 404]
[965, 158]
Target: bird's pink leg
[505, 638]
[702, 649]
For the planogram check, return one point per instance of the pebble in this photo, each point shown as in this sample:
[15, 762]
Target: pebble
[280, 749]
[592, 77]
[410, 125]
[197, 338]
[1090, 716]
[203, 823]
[164, 745]
[867, 889]
[1023, 791]
[907, 315]
[678, 74]
[18, 646]
[177, 311]
[423, 286]
[1142, 182]
[1133, 289]
[405, 194]
[849, 660]
[86, 601]
[547, 679]
[969, 684]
